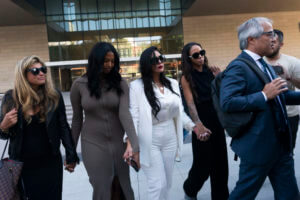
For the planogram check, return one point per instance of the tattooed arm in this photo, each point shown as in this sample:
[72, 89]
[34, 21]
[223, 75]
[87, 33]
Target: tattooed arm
[204, 132]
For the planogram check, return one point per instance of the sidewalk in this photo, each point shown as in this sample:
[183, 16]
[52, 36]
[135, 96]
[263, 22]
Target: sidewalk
[77, 187]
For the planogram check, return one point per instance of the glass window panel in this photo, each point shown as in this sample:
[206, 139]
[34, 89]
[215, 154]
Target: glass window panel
[154, 4]
[71, 7]
[88, 6]
[53, 7]
[162, 21]
[139, 22]
[146, 22]
[134, 22]
[110, 23]
[168, 12]
[139, 4]
[161, 4]
[105, 5]
[85, 25]
[123, 5]
[167, 4]
[79, 26]
[157, 22]
[168, 20]
[66, 26]
[154, 13]
[93, 25]
[175, 12]
[128, 23]
[104, 25]
[151, 21]
[121, 23]
[142, 14]
[175, 4]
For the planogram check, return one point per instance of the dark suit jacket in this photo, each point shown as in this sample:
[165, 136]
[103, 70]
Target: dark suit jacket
[58, 130]
[241, 90]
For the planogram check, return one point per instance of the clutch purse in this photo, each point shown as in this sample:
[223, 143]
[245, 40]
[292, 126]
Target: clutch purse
[10, 171]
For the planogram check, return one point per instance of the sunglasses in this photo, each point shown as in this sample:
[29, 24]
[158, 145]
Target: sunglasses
[36, 71]
[270, 34]
[197, 54]
[155, 60]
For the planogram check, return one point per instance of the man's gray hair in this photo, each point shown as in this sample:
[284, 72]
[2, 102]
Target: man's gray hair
[251, 28]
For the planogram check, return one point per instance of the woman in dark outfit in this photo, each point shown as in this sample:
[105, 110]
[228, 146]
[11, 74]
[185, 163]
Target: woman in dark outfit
[33, 118]
[209, 157]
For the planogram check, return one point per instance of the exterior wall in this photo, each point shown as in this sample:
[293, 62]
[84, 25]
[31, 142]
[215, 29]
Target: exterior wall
[17, 42]
[218, 34]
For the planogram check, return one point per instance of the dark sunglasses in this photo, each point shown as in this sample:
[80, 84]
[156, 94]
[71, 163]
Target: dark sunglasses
[155, 60]
[36, 71]
[197, 54]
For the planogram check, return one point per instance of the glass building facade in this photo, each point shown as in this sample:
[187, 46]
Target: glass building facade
[74, 26]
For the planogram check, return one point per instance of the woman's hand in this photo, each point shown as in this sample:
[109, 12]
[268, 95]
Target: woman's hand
[202, 132]
[128, 152]
[70, 167]
[215, 70]
[10, 119]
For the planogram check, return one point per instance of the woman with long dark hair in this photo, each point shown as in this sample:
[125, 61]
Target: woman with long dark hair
[209, 157]
[104, 97]
[156, 108]
[33, 118]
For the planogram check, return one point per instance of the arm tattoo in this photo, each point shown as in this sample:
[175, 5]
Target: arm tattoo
[193, 112]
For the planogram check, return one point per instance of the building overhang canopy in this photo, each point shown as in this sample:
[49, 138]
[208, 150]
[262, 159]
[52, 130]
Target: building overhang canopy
[18, 12]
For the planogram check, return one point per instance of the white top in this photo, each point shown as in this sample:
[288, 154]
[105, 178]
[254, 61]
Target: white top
[292, 67]
[169, 108]
[141, 113]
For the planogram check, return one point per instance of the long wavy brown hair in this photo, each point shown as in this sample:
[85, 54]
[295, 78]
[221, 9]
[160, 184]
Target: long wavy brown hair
[46, 97]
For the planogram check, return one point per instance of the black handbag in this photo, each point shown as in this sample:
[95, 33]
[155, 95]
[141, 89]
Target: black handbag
[10, 171]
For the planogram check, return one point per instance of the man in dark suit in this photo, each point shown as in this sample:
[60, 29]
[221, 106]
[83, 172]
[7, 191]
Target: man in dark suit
[264, 148]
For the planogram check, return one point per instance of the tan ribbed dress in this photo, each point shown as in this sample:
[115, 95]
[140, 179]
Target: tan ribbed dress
[102, 131]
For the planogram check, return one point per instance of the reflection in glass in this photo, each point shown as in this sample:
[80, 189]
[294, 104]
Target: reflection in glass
[75, 26]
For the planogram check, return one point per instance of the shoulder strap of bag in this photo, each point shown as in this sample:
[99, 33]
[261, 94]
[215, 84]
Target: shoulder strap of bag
[4, 150]
[261, 75]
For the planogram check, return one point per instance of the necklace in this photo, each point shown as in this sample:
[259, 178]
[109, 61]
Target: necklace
[161, 88]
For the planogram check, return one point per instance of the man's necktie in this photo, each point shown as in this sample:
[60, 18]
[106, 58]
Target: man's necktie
[277, 99]
[265, 68]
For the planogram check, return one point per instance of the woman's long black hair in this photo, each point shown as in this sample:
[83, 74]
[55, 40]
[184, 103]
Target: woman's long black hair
[187, 66]
[95, 67]
[147, 78]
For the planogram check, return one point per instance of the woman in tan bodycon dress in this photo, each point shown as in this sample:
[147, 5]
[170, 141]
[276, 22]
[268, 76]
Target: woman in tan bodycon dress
[104, 97]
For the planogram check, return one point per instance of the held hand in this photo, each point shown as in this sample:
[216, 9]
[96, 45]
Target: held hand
[274, 88]
[10, 119]
[128, 152]
[69, 167]
[202, 132]
[215, 70]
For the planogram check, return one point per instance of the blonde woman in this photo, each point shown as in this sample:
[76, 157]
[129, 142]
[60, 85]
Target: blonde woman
[33, 119]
